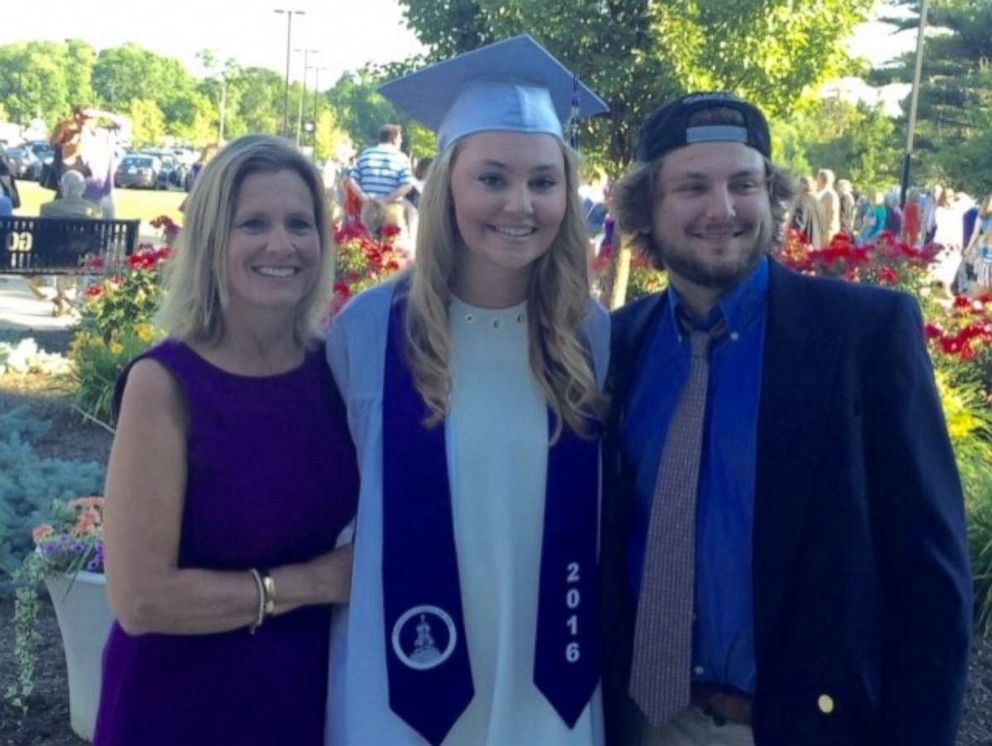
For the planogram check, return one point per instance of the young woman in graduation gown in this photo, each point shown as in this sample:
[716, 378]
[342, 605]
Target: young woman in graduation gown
[473, 393]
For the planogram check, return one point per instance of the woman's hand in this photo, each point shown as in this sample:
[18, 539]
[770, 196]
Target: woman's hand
[323, 580]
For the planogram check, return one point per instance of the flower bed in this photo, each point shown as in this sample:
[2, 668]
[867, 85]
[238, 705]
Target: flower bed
[361, 262]
[116, 326]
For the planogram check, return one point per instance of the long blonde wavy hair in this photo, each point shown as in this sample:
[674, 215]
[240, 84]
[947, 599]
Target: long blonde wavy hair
[558, 301]
[196, 276]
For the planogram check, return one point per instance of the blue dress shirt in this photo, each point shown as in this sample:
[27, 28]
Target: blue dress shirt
[723, 633]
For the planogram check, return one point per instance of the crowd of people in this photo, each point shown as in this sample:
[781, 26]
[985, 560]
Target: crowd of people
[481, 510]
[936, 215]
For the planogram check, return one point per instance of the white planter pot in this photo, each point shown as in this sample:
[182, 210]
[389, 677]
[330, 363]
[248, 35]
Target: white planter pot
[84, 616]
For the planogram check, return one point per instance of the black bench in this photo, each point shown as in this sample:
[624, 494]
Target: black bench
[61, 246]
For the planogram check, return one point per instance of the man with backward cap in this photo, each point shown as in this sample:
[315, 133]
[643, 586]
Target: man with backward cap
[785, 557]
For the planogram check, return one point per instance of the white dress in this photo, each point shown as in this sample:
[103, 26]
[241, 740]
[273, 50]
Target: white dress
[496, 437]
[949, 233]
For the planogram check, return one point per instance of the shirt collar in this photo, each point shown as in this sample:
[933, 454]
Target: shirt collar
[739, 306]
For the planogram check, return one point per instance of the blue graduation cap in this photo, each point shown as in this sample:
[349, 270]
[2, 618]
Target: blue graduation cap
[514, 85]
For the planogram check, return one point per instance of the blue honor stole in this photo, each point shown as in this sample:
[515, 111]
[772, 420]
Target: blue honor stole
[427, 660]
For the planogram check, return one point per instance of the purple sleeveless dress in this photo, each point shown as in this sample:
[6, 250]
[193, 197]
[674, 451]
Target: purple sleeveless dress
[272, 480]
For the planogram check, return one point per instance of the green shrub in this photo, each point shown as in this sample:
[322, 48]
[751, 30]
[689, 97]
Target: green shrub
[980, 541]
[29, 484]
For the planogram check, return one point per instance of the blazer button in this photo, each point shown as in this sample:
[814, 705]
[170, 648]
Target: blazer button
[825, 703]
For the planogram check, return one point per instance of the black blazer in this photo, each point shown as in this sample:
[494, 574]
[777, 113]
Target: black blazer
[862, 589]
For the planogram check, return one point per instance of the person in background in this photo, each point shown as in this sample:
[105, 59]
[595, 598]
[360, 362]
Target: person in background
[473, 391]
[928, 210]
[71, 203]
[873, 218]
[90, 143]
[893, 214]
[969, 223]
[419, 177]
[232, 477]
[829, 205]
[382, 175]
[845, 194]
[784, 543]
[10, 198]
[948, 230]
[912, 218]
[206, 155]
[351, 204]
[806, 217]
[978, 254]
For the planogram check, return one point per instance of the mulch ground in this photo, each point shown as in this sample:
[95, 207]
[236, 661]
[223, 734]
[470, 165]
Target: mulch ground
[46, 720]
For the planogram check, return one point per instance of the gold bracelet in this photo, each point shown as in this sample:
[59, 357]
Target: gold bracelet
[260, 586]
[269, 586]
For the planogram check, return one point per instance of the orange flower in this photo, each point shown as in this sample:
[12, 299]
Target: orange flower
[40, 532]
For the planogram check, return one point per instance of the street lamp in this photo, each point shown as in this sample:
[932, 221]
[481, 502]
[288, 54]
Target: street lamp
[306, 67]
[913, 102]
[289, 45]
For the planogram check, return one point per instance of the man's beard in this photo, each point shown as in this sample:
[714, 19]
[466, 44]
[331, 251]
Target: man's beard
[687, 265]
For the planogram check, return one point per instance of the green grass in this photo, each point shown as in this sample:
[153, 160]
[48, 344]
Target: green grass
[144, 204]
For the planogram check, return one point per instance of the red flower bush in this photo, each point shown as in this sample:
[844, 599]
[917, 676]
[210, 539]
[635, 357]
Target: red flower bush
[965, 331]
[362, 262]
[148, 258]
[961, 333]
[885, 262]
[168, 227]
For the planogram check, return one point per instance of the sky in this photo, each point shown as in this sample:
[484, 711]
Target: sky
[346, 33]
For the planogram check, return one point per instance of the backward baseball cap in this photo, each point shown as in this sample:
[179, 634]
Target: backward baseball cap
[668, 127]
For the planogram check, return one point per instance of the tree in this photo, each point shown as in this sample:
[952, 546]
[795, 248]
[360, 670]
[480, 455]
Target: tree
[857, 142]
[330, 139]
[953, 120]
[129, 72]
[254, 102]
[362, 111]
[33, 80]
[147, 122]
[79, 60]
[637, 54]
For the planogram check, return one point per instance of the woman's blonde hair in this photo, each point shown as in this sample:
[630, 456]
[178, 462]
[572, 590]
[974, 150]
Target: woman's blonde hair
[196, 275]
[558, 301]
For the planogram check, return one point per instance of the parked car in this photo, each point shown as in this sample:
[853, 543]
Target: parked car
[186, 156]
[43, 149]
[138, 170]
[173, 173]
[24, 163]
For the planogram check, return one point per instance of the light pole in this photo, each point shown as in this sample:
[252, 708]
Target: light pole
[306, 67]
[911, 124]
[289, 45]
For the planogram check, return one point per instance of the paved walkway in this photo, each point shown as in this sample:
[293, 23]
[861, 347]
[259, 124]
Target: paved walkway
[22, 310]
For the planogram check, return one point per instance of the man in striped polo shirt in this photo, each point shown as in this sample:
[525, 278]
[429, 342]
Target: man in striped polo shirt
[382, 175]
